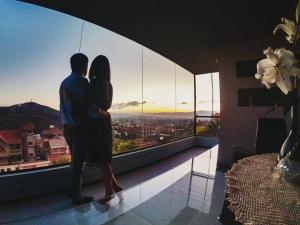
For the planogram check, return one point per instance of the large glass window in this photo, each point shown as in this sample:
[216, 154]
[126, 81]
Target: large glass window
[36, 44]
[125, 57]
[184, 103]
[152, 101]
[159, 97]
[207, 105]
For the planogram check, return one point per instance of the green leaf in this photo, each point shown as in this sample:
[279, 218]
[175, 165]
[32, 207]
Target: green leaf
[298, 12]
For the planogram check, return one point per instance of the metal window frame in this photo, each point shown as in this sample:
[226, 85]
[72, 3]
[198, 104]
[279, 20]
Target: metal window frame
[196, 116]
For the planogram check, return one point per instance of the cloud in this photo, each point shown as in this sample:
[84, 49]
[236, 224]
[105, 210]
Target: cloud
[127, 104]
[206, 101]
[202, 101]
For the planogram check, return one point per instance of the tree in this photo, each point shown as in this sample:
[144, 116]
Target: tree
[120, 146]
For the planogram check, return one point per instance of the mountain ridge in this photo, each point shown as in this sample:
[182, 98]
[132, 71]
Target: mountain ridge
[43, 116]
[40, 115]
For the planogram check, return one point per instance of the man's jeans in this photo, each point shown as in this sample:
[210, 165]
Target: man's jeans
[76, 139]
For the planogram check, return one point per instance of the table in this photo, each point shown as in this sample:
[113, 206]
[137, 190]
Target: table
[255, 194]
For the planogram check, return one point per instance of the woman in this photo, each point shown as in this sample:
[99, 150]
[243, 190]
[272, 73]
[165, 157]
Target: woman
[101, 151]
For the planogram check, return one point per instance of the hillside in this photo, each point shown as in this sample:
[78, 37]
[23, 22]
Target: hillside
[162, 115]
[41, 116]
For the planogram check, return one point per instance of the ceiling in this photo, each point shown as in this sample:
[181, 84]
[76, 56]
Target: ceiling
[187, 31]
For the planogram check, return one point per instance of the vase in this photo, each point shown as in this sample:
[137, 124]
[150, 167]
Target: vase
[289, 169]
[294, 153]
[291, 145]
[288, 166]
[286, 146]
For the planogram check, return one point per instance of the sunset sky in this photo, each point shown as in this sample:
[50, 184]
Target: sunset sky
[36, 44]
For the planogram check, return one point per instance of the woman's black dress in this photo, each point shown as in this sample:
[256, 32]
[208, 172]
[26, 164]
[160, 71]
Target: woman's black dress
[101, 146]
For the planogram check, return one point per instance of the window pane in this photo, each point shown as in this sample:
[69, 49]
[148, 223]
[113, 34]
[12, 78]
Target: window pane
[184, 103]
[216, 94]
[125, 57]
[209, 127]
[37, 43]
[159, 98]
[204, 94]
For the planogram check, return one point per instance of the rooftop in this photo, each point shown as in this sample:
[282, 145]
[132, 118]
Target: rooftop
[10, 136]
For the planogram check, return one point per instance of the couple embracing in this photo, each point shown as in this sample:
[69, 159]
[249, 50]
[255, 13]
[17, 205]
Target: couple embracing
[87, 123]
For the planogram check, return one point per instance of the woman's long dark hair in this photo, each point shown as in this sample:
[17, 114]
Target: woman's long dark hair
[100, 69]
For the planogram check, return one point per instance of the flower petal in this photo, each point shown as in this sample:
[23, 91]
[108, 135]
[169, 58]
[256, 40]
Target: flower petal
[283, 27]
[266, 70]
[284, 85]
[268, 85]
[290, 24]
[289, 27]
[290, 39]
[260, 69]
[268, 51]
[258, 76]
[265, 63]
[270, 74]
[286, 58]
[271, 55]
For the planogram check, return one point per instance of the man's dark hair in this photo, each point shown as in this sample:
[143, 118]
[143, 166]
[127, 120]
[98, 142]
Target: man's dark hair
[78, 62]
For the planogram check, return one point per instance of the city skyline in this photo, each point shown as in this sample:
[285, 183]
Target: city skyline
[37, 139]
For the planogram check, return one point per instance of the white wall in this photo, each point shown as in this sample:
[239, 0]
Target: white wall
[238, 124]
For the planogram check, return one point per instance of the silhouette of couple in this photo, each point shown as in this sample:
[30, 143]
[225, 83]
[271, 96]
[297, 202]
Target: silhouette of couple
[87, 123]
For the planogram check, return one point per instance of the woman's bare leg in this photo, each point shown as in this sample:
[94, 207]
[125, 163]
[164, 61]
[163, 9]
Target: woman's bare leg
[116, 186]
[108, 183]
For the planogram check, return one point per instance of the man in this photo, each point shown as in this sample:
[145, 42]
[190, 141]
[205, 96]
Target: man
[74, 103]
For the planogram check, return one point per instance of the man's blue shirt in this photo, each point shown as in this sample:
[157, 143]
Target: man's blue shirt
[74, 99]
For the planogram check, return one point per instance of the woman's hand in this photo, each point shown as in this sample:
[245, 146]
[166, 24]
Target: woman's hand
[103, 114]
[107, 115]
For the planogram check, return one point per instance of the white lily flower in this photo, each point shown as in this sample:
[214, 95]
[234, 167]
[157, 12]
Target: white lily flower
[277, 68]
[271, 55]
[286, 58]
[287, 62]
[266, 72]
[283, 81]
[290, 28]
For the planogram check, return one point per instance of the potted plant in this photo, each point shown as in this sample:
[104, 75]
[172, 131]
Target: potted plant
[280, 67]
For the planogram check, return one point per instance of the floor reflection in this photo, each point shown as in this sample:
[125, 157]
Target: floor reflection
[190, 193]
[178, 196]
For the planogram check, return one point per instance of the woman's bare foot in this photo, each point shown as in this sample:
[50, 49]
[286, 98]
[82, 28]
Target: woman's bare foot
[106, 198]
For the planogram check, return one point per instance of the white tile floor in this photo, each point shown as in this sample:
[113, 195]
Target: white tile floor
[170, 196]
